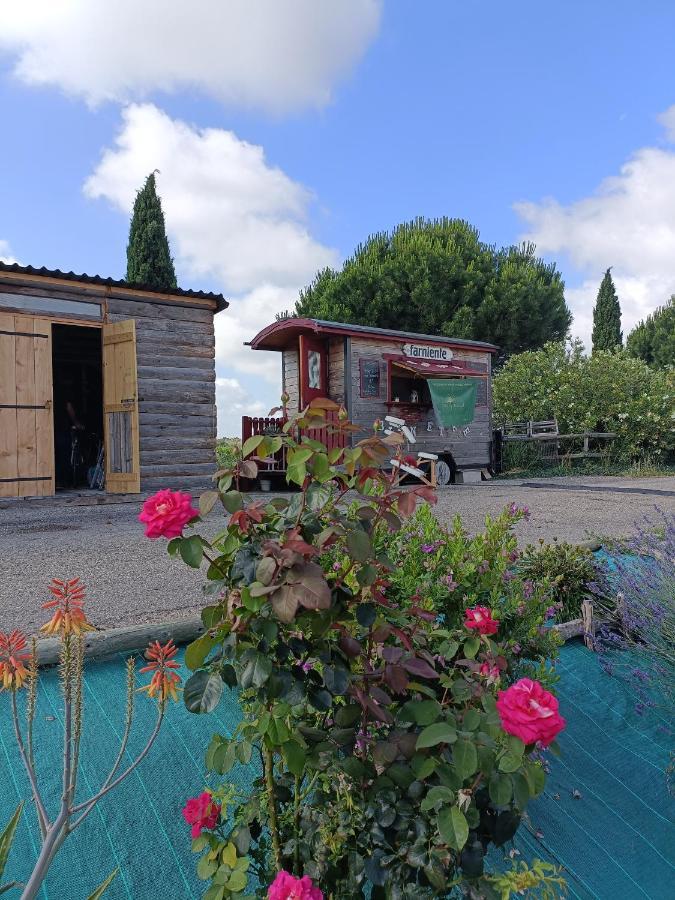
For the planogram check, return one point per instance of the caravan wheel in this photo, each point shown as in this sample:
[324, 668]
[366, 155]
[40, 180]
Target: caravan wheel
[442, 473]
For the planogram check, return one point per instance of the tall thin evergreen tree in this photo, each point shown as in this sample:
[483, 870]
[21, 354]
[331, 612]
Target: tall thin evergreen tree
[149, 259]
[607, 316]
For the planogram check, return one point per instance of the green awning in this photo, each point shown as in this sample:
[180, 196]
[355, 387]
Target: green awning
[454, 400]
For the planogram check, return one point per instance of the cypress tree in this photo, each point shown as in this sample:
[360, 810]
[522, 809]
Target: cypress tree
[149, 259]
[607, 317]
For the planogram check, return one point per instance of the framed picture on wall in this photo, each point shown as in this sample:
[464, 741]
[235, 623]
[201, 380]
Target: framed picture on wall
[370, 377]
[314, 370]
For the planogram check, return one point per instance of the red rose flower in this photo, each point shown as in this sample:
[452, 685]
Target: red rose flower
[480, 619]
[166, 514]
[286, 887]
[201, 812]
[530, 712]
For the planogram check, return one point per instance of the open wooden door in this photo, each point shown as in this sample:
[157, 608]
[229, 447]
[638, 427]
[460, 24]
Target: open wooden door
[26, 413]
[120, 408]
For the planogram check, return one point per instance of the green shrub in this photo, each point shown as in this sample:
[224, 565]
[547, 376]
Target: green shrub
[446, 571]
[608, 391]
[228, 451]
[566, 569]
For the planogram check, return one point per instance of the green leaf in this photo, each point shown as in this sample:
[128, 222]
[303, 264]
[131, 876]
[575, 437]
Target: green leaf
[359, 545]
[296, 473]
[471, 647]
[197, 651]
[257, 669]
[192, 551]
[500, 788]
[251, 444]
[422, 712]
[510, 762]
[437, 794]
[465, 758]
[471, 720]
[453, 827]
[295, 757]
[7, 837]
[233, 501]
[202, 692]
[102, 888]
[207, 501]
[521, 790]
[366, 613]
[237, 881]
[206, 868]
[438, 733]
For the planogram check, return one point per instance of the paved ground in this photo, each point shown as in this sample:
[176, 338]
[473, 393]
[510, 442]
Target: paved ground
[132, 580]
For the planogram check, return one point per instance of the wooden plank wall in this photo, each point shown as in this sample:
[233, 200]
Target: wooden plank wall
[291, 378]
[336, 369]
[471, 450]
[177, 392]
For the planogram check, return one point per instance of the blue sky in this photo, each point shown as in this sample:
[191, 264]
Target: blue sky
[286, 131]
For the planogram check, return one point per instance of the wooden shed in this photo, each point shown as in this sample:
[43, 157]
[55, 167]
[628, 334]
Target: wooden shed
[375, 372]
[104, 384]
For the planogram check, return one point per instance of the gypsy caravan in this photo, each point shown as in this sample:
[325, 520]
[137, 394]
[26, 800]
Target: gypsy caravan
[437, 388]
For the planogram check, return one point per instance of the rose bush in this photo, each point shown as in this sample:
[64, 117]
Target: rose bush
[383, 761]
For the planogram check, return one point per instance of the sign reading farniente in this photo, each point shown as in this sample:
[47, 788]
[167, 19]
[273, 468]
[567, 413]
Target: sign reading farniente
[424, 351]
[454, 400]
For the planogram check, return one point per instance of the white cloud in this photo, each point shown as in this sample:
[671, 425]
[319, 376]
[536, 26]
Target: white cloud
[272, 54]
[667, 119]
[628, 223]
[230, 217]
[6, 253]
[233, 402]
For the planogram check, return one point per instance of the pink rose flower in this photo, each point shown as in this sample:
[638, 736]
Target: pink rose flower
[286, 887]
[166, 514]
[201, 812]
[480, 619]
[491, 672]
[530, 712]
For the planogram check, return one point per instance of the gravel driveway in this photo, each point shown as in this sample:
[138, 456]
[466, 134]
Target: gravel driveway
[132, 580]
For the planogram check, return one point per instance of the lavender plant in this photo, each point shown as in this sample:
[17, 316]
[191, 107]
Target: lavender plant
[636, 601]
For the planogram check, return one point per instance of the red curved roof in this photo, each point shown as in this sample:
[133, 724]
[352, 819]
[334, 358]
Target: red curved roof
[281, 334]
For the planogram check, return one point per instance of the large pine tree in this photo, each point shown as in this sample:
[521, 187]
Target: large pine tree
[149, 259]
[607, 317]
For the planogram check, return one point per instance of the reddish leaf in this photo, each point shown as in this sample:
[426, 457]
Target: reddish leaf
[406, 503]
[419, 668]
[396, 678]
[285, 603]
[248, 469]
[349, 646]
[392, 654]
[423, 614]
[309, 585]
[403, 638]
[381, 633]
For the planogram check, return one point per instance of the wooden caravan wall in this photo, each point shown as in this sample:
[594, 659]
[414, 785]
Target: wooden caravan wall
[290, 362]
[175, 352]
[336, 369]
[26, 423]
[471, 450]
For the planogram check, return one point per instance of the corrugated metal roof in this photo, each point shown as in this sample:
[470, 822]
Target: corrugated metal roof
[83, 278]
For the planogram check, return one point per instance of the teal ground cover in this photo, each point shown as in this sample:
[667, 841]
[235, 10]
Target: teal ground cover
[615, 840]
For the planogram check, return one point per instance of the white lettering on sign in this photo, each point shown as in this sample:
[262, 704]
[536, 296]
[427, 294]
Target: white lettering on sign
[423, 351]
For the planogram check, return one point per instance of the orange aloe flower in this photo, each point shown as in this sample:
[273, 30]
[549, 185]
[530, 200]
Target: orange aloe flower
[13, 656]
[165, 679]
[69, 616]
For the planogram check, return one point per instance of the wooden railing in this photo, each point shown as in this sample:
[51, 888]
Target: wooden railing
[271, 425]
